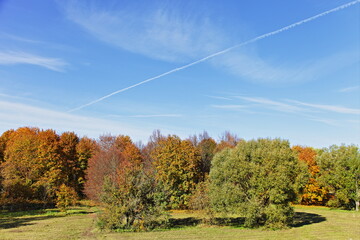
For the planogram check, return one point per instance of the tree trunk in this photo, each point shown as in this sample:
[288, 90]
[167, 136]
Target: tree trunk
[357, 202]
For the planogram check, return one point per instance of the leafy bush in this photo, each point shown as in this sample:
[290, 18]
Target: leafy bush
[256, 179]
[66, 197]
[135, 204]
[200, 198]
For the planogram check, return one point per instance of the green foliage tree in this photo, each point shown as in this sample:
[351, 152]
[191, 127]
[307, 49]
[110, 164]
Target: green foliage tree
[257, 179]
[177, 165]
[340, 170]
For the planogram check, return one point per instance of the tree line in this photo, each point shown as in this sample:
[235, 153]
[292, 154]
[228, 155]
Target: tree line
[137, 184]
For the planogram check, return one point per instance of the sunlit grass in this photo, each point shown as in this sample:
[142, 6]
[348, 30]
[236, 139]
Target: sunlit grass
[79, 223]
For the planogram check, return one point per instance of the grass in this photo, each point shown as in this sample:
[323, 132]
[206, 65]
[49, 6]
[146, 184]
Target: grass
[79, 223]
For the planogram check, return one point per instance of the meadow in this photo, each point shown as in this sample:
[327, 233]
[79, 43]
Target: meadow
[80, 223]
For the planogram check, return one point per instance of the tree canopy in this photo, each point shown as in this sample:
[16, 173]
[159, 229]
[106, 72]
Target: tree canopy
[258, 179]
[340, 168]
[177, 165]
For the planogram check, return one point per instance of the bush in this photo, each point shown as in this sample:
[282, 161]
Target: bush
[200, 198]
[256, 179]
[134, 205]
[66, 197]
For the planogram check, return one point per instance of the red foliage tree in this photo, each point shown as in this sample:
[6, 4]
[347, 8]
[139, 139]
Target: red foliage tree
[113, 158]
[227, 140]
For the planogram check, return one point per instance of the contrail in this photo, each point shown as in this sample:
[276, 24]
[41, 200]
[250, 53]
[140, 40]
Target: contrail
[222, 52]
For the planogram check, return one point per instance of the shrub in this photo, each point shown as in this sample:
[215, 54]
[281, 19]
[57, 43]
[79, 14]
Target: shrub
[134, 204]
[65, 197]
[256, 179]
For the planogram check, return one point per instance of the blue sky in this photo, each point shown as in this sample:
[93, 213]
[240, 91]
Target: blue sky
[301, 84]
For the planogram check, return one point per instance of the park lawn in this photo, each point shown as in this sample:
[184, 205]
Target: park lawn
[79, 223]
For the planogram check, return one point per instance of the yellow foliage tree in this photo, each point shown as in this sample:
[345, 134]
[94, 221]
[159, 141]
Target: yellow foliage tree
[177, 164]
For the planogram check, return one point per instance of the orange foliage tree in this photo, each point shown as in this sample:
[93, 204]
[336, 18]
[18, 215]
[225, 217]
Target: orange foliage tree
[31, 169]
[313, 193]
[36, 163]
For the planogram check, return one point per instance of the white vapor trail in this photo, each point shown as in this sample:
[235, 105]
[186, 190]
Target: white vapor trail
[222, 52]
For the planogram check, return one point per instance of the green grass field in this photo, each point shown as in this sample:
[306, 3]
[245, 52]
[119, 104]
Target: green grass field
[79, 223]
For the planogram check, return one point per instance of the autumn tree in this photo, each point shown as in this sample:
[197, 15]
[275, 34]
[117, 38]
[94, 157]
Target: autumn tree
[104, 163]
[49, 154]
[68, 142]
[340, 172]
[146, 151]
[177, 165]
[32, 164]
[227, 140]
[37, 162]
[128, 149]
[112, 156]
[84, 151]
[75, 155]
[4, 138]
[117, 179]
[257, 179]
[207, 149]
[313, 193]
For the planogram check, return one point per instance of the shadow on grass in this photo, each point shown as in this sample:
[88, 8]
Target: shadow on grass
[184, 222]
[300, 219]
[11, 222]
[191, 221]
[23, 218]
[304, 218]
[9, 214]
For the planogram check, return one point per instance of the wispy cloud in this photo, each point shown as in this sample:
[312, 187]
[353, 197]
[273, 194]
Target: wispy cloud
[331, 108]
[22, 98]
[149, 116]
[31, 42]
[105, 20]
[159, 32]
[219, 97]
[14, 115]
[251, 67]
[276, 105]
[229, 106]
[17, 38]
[327, 121]
[294, 107]
[350, 89]
[157, 116]
[12, 58]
